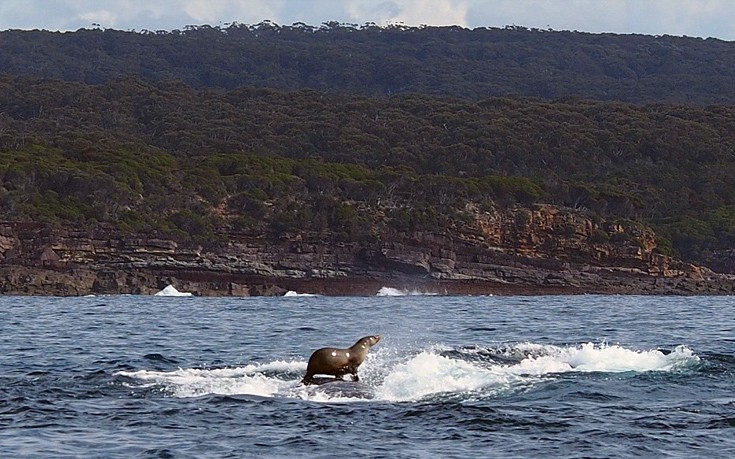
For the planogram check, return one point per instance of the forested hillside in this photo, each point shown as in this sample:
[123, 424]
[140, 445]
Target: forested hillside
[195, 163]
[384, 61]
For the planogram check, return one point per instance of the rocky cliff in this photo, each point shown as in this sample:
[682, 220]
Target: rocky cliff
[542, 249]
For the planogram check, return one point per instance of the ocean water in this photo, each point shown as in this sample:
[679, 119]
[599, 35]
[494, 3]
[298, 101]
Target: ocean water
[454, 376]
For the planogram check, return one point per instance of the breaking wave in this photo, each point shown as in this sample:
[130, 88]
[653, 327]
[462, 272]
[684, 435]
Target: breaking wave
[436, 371]
[294, 293]
[391, 291]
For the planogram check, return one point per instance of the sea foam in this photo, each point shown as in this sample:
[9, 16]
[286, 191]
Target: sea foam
[170, 290]
[426, 373]
[391, 291]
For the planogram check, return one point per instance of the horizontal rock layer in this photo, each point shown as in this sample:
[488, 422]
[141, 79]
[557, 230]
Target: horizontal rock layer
[544, 250]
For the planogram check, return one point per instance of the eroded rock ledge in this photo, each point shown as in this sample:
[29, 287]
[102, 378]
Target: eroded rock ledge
[543, 250]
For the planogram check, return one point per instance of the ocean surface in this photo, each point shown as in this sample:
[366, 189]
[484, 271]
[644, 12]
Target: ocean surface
[454, 376]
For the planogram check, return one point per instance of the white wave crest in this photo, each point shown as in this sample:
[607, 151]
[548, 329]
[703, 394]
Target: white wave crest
[293, 293]
[591, 357]
[391, 291]
[391, 377]
[170, 290]
[246, 380]
[429, 373]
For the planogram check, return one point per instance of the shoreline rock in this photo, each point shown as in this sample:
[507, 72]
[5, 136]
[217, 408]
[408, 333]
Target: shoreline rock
[518, 280]
[549, 251]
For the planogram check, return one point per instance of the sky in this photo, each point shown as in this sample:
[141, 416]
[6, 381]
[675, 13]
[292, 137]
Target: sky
[694, 18]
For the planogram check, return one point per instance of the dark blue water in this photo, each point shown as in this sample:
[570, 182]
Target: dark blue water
[583, 376]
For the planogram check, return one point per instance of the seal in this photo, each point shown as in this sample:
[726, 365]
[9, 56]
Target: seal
[338, 362]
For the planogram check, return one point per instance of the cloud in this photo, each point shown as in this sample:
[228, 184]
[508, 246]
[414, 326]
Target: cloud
[370, 12]
[700, 18]
[100, 17]
[654, 17]
[245, 11]
[409, 12]
[34, 14]
[568, 15]
[429, 12]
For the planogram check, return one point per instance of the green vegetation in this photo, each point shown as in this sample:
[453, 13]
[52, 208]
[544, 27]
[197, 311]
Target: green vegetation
[197, 164]
[385, 61]
[352, 132]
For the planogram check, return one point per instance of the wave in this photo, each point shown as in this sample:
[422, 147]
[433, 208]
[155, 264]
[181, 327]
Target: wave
[170, 290]
[391, 291]
[255, 379]
[293, 293]
[390, 376]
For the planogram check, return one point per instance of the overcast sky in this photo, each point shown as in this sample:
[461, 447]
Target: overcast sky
[698, 18]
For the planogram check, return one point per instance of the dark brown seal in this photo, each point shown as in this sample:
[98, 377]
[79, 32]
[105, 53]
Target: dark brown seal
[339, 362]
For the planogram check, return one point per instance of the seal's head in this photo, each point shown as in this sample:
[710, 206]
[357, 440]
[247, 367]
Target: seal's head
[369, 341]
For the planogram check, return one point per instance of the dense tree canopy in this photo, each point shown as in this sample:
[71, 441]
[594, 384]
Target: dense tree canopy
[383, 61]
[193, 162]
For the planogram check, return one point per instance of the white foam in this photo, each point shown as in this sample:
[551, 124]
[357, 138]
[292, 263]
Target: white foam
[246, 380]
[429, 373]
[170, 290]
[391, 291]
[413, 377]
[293, 293]
[590, 357]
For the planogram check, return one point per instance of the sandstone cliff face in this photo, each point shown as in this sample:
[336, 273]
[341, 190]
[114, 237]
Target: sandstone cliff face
[543, 249]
